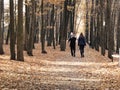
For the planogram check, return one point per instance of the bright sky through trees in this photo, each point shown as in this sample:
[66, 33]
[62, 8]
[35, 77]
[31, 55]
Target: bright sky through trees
[6, 2]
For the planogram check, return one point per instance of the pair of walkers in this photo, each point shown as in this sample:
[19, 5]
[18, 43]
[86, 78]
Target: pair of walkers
[81, 44]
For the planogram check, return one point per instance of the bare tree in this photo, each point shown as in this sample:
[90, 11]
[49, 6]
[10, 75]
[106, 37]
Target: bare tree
[12, 31]
[1, 38]
[20, 32]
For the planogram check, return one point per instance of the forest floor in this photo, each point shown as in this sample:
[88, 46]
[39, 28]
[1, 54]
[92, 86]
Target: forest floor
[58, 70]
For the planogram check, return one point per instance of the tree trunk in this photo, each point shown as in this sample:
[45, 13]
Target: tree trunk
[52, 21]
[12, 31]
[50, 32]
[92, 26]
[1, 38]
[97, 27]
[8, 35]
[42, 31]
[61, 27]
[20, 32]
[110, 32]
[57, 28]
[2, 20]
[87, 22]
[102, 30]
[64, 28]
[31, 33]
[118, 34]
[26, 26]
[62, 36]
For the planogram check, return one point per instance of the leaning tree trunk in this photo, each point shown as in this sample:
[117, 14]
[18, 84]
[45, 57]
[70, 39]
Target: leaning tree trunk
[1, 38]
[12, 31]
[20, 32]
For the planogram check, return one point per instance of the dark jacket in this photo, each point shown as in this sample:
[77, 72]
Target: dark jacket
[81, 41]
[72, 41]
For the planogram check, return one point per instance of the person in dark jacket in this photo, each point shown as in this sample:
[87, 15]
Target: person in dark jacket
[72, 41]
[81, 44]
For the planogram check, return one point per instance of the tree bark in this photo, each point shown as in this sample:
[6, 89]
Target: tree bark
[26, 26]
[1, 38]
[31, 28]
[20, 56]
[42, 31]
[118, 34]
[92, 26]
[64, 28]
[102, 30]
[12, 31]
[110, 32]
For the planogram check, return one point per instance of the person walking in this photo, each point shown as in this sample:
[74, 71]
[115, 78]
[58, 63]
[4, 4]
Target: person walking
[72, 41]
[81, 44]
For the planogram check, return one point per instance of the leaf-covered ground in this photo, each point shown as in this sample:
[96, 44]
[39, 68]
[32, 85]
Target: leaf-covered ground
[58, 70]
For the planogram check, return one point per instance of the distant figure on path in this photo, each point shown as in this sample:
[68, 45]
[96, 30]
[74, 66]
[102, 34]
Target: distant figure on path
[72, 41]
[81, 44]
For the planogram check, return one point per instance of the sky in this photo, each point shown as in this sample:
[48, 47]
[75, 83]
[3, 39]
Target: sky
[6, 2]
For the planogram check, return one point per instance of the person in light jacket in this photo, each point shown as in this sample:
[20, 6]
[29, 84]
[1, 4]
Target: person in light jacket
[72, 41]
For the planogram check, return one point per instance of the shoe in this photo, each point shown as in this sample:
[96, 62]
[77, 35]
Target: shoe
[71, 54]
[74, 55]
[82, 55]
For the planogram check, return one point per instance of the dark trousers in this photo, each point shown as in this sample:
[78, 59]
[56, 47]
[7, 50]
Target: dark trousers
[73, 50]
[81, 47]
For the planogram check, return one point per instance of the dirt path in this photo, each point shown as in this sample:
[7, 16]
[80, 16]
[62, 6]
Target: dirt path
[60, 71]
